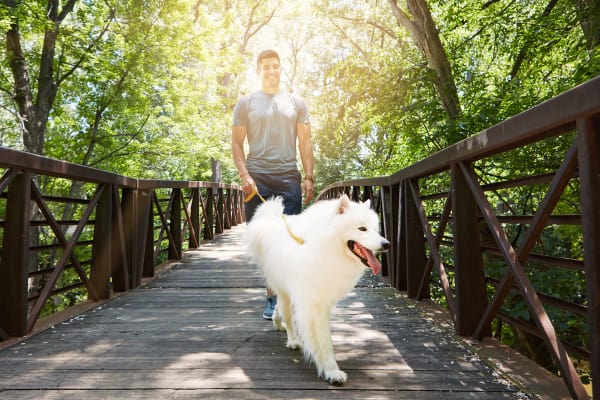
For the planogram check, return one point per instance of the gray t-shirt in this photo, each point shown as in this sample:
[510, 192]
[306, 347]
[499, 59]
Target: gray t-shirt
[270, 121]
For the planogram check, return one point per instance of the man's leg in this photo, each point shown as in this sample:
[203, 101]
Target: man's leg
[289, 187]
[292, 194]
[262, 185]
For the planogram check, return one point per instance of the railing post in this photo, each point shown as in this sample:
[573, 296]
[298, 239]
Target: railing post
[392, 255]
[367, 193]
[195, 217]
[220, 212]
[588, 141]
[102, 248]
[227, 209]
[236, 216]
[136, 205]
[175, 247]
[385, 199]
[120, 264]
[209, 223]
[15, 257]
[355, 193]
[416, 260]
[471, 294]
[400, 273]
[389, 218]
[148, 259]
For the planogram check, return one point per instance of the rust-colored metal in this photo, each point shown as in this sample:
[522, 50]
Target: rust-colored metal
[122, 238]
[557, 186]
[471, 293]
[67, 254]
[188, 224]
[575, 111]
[588, 132]
[530, 296]
[443, 221]
[119, 260]
[433, 249]
[13, 263]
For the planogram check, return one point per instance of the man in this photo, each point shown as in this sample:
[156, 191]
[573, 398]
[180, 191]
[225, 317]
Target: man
[272, 120]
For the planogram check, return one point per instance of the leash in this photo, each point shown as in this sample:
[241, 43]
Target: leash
[287, 226]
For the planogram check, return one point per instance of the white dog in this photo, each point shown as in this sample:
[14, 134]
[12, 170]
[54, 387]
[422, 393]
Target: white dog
[311, 261]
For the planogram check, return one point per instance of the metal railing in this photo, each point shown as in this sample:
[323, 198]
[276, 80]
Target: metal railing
[83, 233]
[456, 230]
[483, 233]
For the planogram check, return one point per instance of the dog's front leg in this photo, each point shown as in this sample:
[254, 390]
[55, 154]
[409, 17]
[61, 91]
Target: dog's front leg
[327, 365]
[315, 334]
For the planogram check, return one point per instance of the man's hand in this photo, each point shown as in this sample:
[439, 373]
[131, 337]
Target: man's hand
[308, 190]
[248, 184]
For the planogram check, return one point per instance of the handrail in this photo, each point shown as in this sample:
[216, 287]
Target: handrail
[440, 237]
[46, 166]
[94, 245]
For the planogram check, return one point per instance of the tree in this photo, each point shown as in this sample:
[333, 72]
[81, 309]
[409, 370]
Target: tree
[588, 12]
[423, 31]
[34, 100]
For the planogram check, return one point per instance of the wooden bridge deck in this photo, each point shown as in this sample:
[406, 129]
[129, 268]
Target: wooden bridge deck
[196, 332]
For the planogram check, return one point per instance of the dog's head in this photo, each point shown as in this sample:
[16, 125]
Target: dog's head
[359, 226]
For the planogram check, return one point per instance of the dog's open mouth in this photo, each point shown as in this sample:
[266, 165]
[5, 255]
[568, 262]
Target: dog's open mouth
[365, 255]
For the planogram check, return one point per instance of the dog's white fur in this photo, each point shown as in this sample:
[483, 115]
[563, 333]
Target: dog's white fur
[310, 278]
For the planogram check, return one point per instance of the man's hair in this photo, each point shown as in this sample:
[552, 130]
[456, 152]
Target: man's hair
[266, 54]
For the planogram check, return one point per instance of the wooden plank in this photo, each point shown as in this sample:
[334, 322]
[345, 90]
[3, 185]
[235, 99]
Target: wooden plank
[229, 394]
[173, 342]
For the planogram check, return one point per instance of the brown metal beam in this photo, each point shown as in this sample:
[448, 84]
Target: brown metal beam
[588, 138]
[534, 304]
[469, 278]
[14, 263]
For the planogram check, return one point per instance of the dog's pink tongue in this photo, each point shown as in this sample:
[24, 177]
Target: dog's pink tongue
[367, 257]
[373, 262]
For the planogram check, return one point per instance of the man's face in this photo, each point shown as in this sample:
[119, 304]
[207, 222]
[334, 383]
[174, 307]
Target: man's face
[269, 71]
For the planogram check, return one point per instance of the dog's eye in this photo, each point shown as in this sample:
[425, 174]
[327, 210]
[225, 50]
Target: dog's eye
[362, 229]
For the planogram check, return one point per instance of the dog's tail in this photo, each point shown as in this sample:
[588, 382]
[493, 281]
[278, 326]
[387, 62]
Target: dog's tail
[270, 208]
[264, 219]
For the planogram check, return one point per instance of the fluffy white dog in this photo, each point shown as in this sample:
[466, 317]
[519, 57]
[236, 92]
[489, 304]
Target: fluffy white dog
[311, 261]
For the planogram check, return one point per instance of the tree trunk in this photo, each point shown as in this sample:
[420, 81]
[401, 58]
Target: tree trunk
[424, 33]
[23, 96]
[588, 12]
[520, 58]
[33, 116]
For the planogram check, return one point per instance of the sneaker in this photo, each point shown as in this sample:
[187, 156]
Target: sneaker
[270, 307]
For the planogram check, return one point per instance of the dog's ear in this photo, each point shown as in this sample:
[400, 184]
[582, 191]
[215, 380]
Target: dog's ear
[367, 203]
[343, 204]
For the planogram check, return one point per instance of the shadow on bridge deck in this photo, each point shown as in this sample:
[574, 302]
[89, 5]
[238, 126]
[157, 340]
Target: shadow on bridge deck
[196, 332]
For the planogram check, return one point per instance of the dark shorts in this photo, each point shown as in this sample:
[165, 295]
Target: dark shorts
[286, 185]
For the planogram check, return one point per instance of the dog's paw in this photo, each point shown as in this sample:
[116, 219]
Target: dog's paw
[278, 325]
[335, 377]
[292, 344]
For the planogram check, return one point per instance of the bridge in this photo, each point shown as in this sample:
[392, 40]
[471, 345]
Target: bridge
[163, 303]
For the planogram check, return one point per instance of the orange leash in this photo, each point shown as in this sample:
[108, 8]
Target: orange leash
[287, 226]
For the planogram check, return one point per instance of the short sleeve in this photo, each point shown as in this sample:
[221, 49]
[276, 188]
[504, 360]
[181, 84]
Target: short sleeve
[240, 112]
[302, 110]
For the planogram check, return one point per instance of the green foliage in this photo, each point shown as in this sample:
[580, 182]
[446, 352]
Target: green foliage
[154, 82]
[140, 87]
[146, 89]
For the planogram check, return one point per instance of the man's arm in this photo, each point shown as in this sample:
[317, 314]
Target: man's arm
[306, 155]
[238, 135]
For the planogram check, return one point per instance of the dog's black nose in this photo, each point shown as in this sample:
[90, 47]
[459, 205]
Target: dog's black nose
[385, 244]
